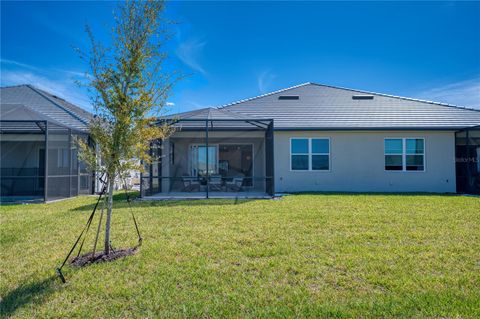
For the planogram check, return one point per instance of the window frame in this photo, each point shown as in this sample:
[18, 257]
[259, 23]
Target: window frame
[304, 154]
[310, 154]
[404, 155]
[190, 156]
[63, 157]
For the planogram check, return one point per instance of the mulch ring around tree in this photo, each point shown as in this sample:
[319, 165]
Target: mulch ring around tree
[100, 257]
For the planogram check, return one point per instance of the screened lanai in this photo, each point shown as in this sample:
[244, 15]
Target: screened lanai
[39, 157]
[467, 149]
[213, 153]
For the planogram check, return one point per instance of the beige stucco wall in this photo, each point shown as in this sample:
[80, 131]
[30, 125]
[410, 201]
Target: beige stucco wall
[357, 164]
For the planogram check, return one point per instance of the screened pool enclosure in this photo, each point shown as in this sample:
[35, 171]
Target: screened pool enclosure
[467, 148]
[39, 157]
[212, 154]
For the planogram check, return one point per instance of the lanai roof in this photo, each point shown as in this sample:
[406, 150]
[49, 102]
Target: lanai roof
[44, 105]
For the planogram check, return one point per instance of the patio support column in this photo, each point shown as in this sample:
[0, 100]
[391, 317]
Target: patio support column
[160, 164]
[150, 167]
[93, 174]
[78, 167]
[206, 147]
[141, 179]
[141, 182]
[45, 179]
[269, 160]
[70, 163]
[467, 147]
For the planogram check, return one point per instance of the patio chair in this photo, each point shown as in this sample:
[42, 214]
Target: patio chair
[235, 184]
[215, 183]
[190, 183]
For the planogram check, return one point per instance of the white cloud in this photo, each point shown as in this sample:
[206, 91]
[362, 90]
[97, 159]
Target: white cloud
[264, 80]
[18, 64]
[463, 93]
[170, 104]
[75, 74]
[189, 52]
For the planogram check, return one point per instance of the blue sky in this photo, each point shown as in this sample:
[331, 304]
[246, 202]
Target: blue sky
[235, 50]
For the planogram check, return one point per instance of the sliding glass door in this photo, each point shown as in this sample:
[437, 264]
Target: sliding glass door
[227, 161]
[198, 160]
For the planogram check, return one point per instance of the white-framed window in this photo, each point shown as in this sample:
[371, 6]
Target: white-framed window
[299, 154]
[309, 154]
[404, 154]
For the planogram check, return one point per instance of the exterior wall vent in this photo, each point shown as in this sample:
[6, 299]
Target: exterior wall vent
[362, 97]
[288, 97]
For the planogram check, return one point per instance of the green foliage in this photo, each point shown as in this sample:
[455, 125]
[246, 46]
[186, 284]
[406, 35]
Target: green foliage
[129, 88]
[317, 256]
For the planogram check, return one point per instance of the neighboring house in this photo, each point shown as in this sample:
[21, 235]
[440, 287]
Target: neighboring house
[318, 138]
[129, 180]
[31, 122]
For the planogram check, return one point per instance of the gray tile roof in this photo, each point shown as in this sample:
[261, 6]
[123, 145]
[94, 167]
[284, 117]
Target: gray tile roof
[327, 107]
[209, 113]
[46, 104]
[19, 112]
[222, 119]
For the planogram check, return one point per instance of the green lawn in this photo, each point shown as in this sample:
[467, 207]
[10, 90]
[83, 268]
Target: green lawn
[340, 256]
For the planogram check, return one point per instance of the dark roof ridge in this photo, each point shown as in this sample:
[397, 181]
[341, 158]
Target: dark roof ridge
[13, 86]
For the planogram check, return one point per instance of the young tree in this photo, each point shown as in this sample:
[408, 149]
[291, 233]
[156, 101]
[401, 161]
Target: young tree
[129, 89]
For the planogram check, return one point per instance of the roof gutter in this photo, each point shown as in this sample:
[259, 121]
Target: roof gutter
[287, 129]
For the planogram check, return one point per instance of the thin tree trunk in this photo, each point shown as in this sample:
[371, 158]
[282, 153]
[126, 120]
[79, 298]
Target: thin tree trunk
[111, 182]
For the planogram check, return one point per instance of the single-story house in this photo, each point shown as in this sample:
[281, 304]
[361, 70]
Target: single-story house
[317, 138]
[39, 157]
